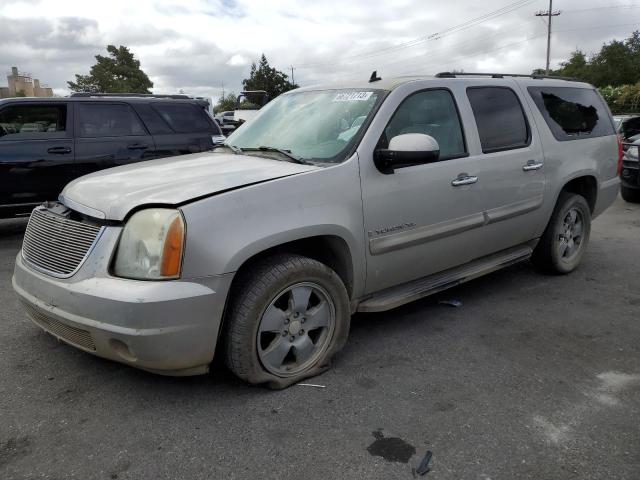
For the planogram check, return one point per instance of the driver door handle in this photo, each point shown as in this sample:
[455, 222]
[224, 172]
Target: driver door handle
[464, 179]
[137, 146]
[532, 165]
[59, 150]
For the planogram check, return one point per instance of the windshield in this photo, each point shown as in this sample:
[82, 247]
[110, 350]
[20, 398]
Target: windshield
[317, 125]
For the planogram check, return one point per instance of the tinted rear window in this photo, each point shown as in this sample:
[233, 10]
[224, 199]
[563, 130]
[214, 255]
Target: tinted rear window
[185, 118]
[107, 120]
[501, 123]
[573, 113]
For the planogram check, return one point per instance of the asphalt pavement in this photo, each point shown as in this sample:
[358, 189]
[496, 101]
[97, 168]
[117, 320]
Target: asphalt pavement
[532, 377]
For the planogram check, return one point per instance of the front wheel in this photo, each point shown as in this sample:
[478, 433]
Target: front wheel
[288, 316]
[565, 239]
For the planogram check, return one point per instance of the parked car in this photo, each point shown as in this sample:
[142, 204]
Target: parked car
[630, 174]
[224, 118]
[260, 251]
[226, 122]
[46, 143]
[627, 126]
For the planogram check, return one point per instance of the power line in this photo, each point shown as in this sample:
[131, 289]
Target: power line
[434, 36]
[453, 47]
[580, 10]
[602, 27]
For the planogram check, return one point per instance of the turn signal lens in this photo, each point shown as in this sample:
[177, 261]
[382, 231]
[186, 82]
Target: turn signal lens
[172, 251]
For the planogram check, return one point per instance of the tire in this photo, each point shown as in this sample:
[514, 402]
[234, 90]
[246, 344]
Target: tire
[565, 239]
[631, 195]
[271, 305]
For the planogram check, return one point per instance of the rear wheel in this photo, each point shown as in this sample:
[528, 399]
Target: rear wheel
[631, 195]
[564, 242]
[289, 315]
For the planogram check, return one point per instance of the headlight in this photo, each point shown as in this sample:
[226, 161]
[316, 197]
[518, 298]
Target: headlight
[151, 245]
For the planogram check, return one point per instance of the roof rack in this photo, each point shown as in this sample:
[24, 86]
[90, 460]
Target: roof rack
[142, 95]
[503, 75]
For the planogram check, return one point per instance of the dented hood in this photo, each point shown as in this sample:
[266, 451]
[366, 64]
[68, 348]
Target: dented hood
[111, 194]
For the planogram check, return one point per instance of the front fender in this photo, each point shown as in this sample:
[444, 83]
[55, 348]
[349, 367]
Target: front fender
[225, 230]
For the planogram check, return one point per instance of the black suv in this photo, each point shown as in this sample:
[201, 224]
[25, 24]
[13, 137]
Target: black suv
[45, 143]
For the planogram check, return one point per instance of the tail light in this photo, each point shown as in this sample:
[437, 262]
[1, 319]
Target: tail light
[620, 155]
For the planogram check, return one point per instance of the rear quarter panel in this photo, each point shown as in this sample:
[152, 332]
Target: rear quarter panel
[567, 160]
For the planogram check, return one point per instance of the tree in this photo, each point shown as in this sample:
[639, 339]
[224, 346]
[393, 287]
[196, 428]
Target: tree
[617, 63]
[265, 77]
[576, 67]
[225, 103]
[118, 73]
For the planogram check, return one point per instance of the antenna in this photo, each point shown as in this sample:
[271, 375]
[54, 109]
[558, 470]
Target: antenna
[374, 77]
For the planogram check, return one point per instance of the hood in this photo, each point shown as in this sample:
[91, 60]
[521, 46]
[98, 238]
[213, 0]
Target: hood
[111, 194]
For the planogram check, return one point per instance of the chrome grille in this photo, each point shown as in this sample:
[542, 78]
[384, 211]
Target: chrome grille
[55, 244]
[75, 336]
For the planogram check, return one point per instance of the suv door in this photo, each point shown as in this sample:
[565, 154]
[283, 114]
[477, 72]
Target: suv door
[36, 153]
[417, 222]
[512, 172]
[108, 135]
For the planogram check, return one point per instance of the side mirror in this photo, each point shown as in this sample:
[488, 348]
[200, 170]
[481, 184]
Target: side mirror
[406, 150]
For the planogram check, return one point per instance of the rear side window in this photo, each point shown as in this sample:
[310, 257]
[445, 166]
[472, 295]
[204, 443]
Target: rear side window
[431, 112]
[184, 118]
[572, 113]
[502, 124]
[44, 120]
[107, 120]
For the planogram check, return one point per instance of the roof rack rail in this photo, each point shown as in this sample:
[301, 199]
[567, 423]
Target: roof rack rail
[142, 95]
[503, 75]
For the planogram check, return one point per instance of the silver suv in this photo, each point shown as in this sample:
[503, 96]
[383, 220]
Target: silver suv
[335, 199]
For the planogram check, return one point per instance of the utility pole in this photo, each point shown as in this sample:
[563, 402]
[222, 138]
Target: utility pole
[222, 89]
[549, 14]
[293, 82]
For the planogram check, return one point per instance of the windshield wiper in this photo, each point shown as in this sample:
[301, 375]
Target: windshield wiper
[282, 151]
[233, 148]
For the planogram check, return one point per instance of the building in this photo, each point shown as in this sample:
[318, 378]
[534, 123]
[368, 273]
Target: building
[21, 83]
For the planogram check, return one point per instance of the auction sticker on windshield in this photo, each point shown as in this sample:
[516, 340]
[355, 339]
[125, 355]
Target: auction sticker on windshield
[352, 96]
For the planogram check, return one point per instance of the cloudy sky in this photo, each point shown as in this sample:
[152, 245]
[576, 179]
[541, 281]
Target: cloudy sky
[196, 45]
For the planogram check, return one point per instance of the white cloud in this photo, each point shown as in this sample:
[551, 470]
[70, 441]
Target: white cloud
[196, 45]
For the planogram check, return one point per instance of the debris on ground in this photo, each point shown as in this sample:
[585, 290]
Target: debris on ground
[311, 385]
[423, 468]
[451, 303]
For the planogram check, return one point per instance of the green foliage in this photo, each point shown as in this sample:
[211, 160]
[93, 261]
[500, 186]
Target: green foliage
[265, 77]
[118, 73]
[225, 103]
[629, 98]
[20, 93]
[617, 63]
[623, 99]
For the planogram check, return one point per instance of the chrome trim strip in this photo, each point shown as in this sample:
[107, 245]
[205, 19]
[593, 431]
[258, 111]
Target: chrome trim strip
[78, 207]
[408, 238]
[513, 209]
[416, 236]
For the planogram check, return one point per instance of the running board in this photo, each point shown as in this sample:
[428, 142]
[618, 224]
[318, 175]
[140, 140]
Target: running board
[408, 292]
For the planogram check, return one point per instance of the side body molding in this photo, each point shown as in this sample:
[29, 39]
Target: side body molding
[407, 238]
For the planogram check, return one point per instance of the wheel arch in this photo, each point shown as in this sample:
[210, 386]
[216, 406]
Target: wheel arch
[586, 185]
[332, 250]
